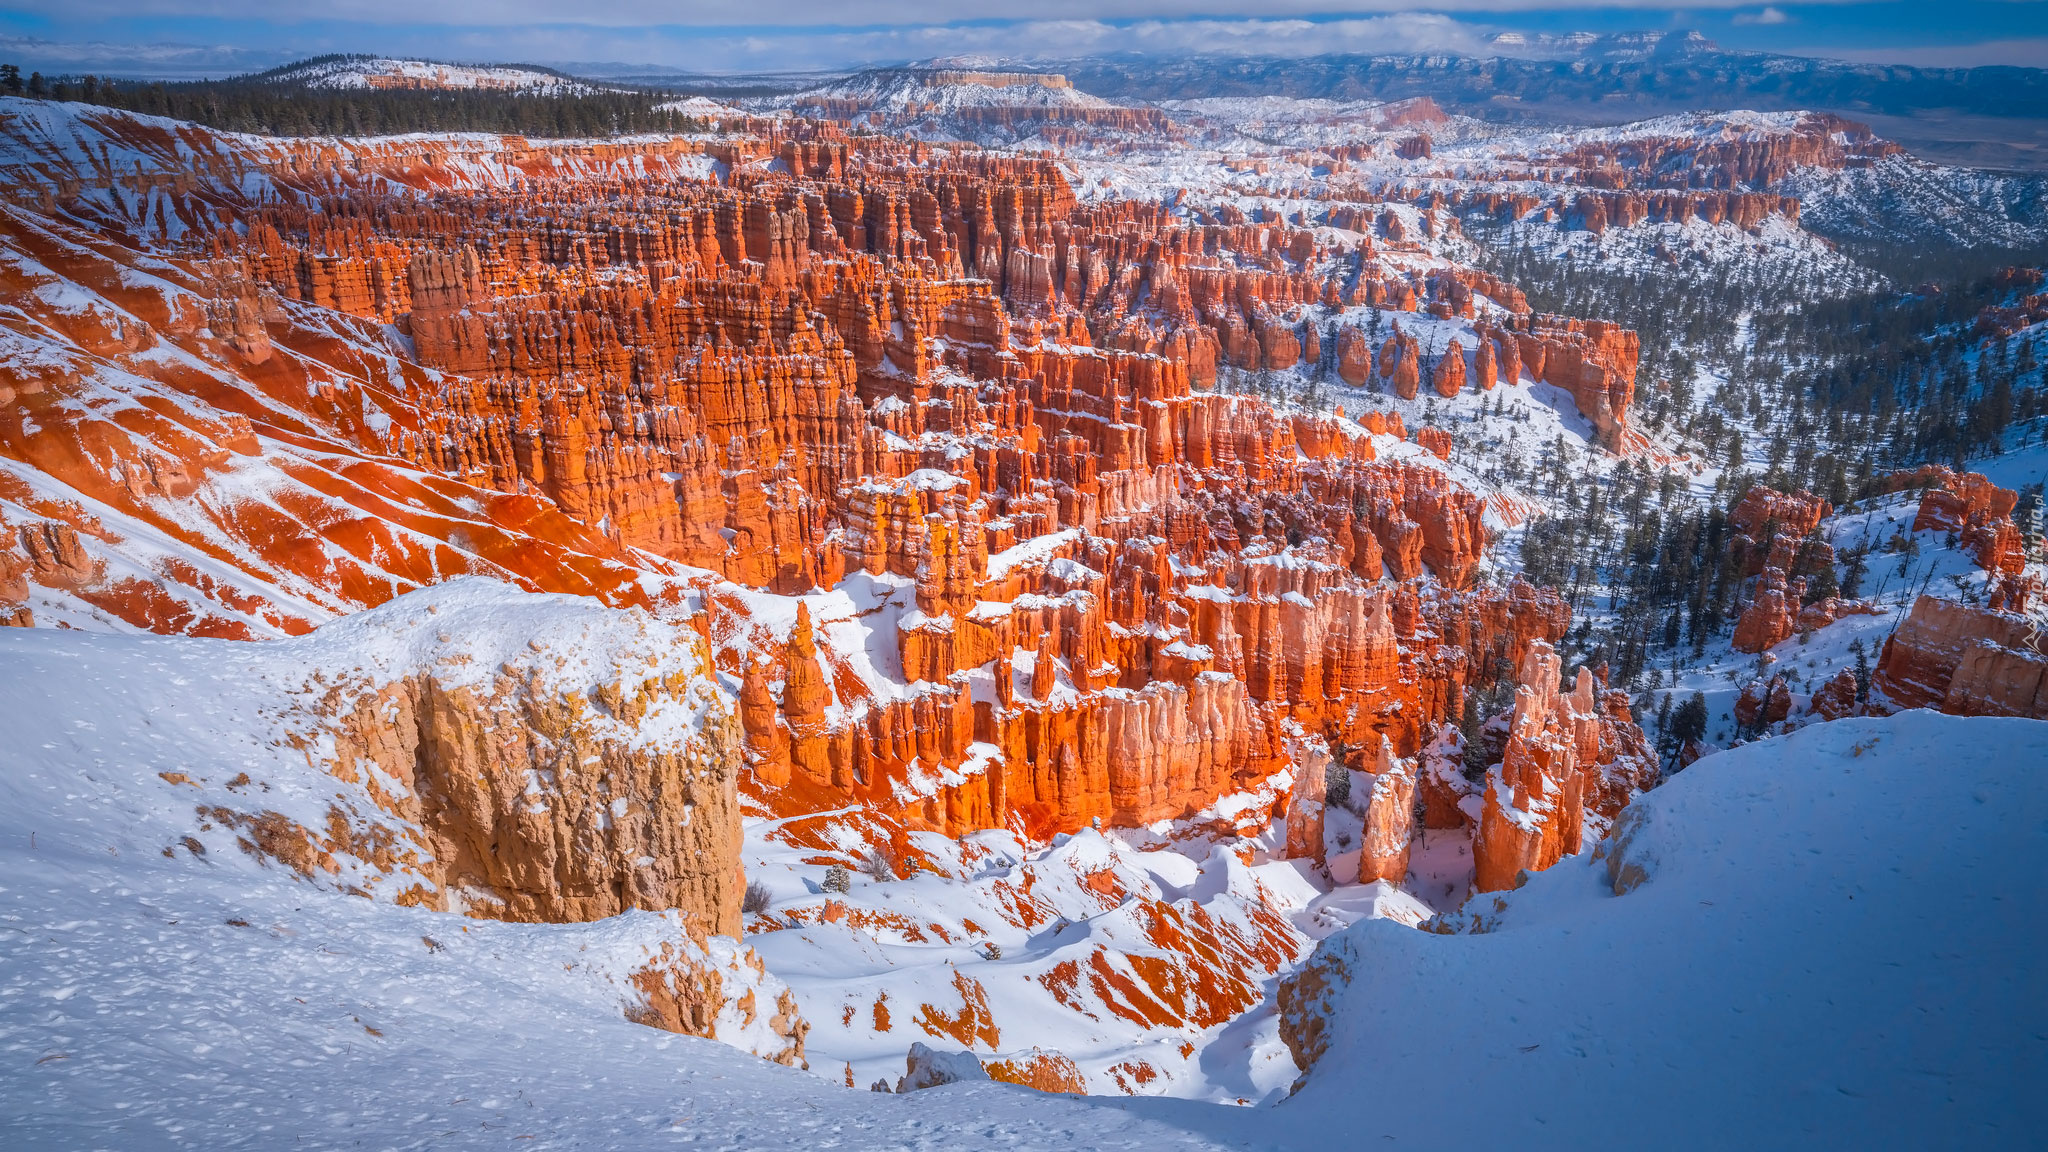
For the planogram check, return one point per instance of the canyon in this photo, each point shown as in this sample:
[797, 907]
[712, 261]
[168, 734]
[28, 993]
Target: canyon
[929, 455]
[937, 562]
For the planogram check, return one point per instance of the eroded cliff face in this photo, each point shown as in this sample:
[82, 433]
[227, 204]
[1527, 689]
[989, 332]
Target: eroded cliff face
[1964, 660]
[514, 758]
[760, 376]
[1775, 537]
[528, 811]
[850, 357]
[1979, 513]
[474, 749]
[1570, 754]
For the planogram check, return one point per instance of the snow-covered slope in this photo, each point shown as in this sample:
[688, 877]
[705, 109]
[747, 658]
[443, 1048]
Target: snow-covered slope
[939, 91]
[1826, 940]
[1829, 941]
[160, 987]
[386, 72]
[1901, 199]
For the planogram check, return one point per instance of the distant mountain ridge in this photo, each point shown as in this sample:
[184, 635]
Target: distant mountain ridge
[1994, 116]
[403, 72]
[1625, 75]
[1990, 117]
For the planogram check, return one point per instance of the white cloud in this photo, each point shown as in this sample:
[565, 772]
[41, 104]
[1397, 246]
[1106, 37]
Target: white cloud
[2026, 52]
[824, 14]
[1770, 15]
[804, 49]
[157, 61]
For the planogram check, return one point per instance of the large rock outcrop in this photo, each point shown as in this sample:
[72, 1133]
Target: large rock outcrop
[1965, 660]
[525, 758]
[1571, 755]
[1980, 514]
[1389, 819]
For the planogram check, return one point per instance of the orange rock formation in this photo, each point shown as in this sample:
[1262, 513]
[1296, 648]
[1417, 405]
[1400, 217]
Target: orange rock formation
[1569, 754]
[838, 355]
[1969, 661]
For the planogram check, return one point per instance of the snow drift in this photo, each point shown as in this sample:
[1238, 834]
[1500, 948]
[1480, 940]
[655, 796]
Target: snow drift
[1826, 940]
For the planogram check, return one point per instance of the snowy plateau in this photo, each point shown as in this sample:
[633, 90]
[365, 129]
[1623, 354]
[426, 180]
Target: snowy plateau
[937, 609]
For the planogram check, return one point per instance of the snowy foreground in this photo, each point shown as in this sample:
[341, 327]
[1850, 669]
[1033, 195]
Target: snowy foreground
[1833, 940]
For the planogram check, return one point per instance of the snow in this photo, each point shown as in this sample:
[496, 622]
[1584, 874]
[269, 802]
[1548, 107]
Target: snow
[1837, 945]
[929, 1069]
[1036, 550]
[364, 71]
[161, 989]
[1901, 565]
[1834, 946]
[703, 108]
[2017, 470]
[1901, 200]
[927, 92]
[124, 974]
[1006, 916]
[99, 717]
[137, 1012]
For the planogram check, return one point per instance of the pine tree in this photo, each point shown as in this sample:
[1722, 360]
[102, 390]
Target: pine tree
[1472, 726]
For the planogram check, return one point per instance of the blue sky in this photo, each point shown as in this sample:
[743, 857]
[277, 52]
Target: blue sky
[218, 36]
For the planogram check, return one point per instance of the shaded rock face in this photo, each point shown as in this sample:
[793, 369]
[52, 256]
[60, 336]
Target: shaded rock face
[1765, 515]
[1766, 702]
[1838, 697]
[1964, 660]
[588, 771]
[611, 828]
[1773, 535]
[474, 749]
[1305, 807]
[1593, 360]
[1770, 617]
[926, 1067]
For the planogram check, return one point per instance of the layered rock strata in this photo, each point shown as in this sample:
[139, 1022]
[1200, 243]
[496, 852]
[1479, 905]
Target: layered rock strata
[1965, 660]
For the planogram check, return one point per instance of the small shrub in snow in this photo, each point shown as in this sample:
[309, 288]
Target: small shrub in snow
[837, 879]
[757, 897]
[875, 866]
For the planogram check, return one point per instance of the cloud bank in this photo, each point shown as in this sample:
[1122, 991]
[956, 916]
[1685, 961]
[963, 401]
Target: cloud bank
[176, 38]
